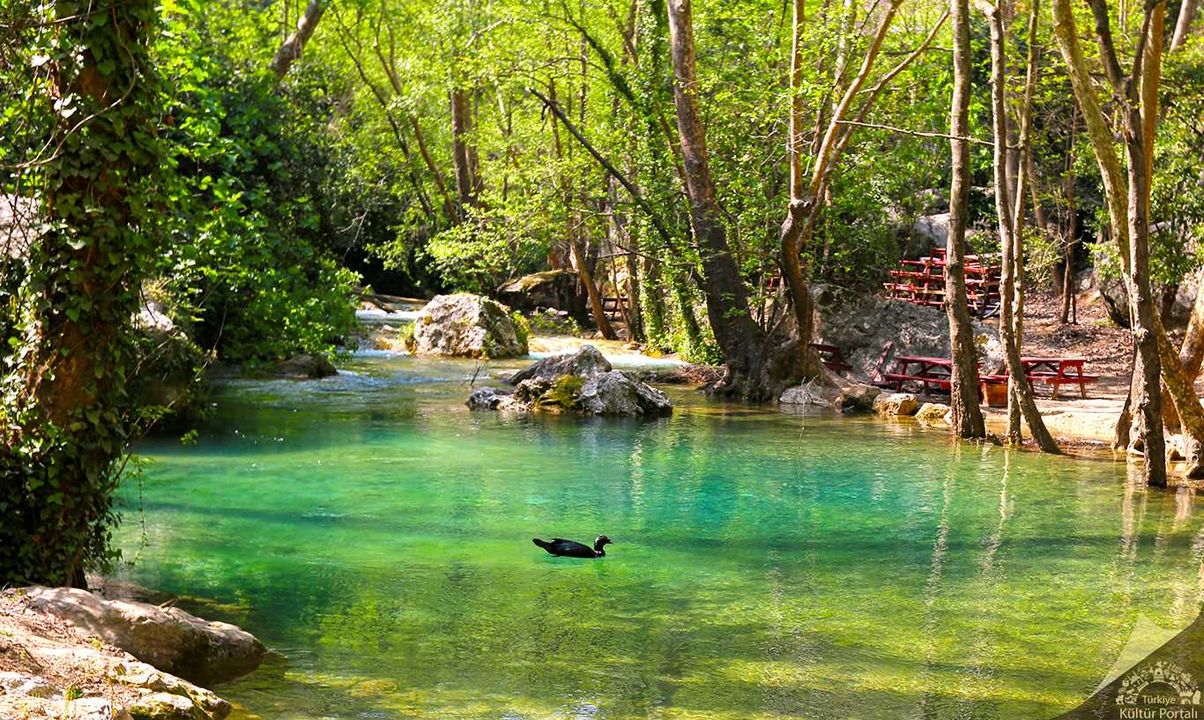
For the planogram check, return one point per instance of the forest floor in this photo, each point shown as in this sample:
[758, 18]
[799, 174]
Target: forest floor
[1106, 348]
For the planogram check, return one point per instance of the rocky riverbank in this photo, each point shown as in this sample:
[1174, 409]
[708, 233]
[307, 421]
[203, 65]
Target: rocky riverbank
[68, 653]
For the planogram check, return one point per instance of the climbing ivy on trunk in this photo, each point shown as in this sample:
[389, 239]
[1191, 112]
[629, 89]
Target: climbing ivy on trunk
[63, 431]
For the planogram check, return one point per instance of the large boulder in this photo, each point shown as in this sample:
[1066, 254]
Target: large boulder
[464, 325]
[53, 668]
[928, 232]
[582, 382]
[1174, 303]
[549, 288]
[166, 637]
[895, 404]
[861, 325]
[1115, 298]
[857, 398]
[618, 393]
[587, 361]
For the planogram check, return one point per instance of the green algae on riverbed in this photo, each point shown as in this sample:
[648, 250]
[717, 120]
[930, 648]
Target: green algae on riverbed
[376, 535]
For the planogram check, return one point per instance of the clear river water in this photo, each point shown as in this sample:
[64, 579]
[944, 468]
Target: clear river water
[376, 535]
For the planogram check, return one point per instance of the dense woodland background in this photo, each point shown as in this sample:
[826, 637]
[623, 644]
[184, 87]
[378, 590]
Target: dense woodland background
[252, 166]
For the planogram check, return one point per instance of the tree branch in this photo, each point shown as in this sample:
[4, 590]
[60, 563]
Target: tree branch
[555, 109]
[917, 133]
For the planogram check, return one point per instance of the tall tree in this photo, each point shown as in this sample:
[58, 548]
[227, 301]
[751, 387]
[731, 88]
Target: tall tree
[740, 338]
[62, 426]
[1020, 397]
[808, 192]
[1187, 15]
[963, 394]
[1127, 193]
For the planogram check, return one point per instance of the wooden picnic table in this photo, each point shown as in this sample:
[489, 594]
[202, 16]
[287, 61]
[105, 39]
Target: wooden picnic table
[614, 306]
[1058, 371]
[931, 371]
[922, 282]
[935, 372]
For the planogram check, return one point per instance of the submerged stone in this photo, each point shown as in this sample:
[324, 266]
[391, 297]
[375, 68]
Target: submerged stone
[933, 414]
[305, 366]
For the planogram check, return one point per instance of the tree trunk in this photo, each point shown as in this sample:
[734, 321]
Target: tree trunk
[1191, 352]
[967, 415]
[799, 212]
[65, 423]
[740, 339]
[1127, 196]
[581, 264]
[574, 225]
[1069, 242]
[806, 198]
[1187, 14]
[449, 205]
[1020, 397]
[1139, 136]
[464, 153]
[1177, 383]
[292, 46]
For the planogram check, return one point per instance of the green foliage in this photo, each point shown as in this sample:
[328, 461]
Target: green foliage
[542, 323]
[254, 179]
[495, 243]
[1177, 197]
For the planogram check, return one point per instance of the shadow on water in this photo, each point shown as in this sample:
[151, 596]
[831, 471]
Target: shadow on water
[376, 535]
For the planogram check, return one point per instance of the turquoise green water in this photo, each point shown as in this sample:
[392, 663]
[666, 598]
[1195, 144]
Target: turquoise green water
[376, 535]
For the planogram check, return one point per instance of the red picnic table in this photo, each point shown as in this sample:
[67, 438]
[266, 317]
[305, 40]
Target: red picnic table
[1058, 371]
[922, 282]
[935, 372]
[932, 371]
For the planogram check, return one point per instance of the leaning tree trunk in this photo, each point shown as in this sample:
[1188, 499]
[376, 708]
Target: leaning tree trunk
[574, 225]
[619, 225]
[963, 394]
[740, 339]
[292, 46]
[1187, 14]
[1020, 398]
